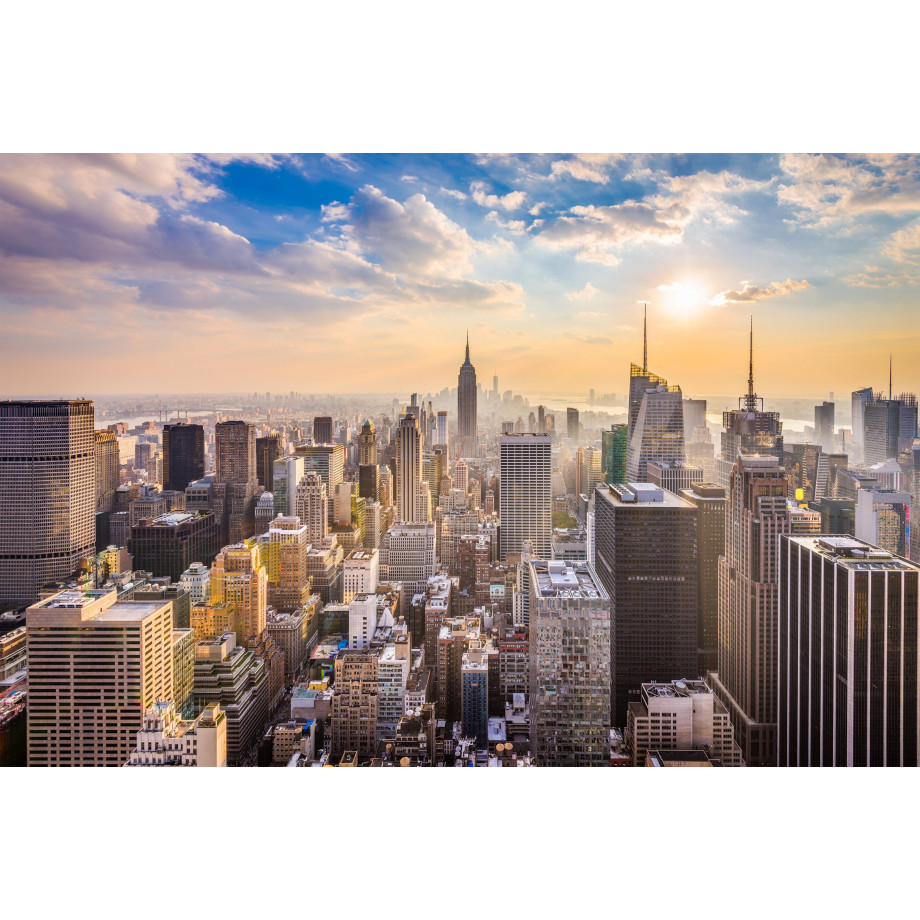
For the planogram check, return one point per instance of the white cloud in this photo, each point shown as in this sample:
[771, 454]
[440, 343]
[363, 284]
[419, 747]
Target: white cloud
[409, 178]
[538, 207]
[454, 193]
[586, 293]
[751, 293]
[599, 232]
[510, 202]
[517, 227]
[588, 167]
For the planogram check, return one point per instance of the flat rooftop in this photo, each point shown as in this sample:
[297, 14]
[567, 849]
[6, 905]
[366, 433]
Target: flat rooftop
[565, 578]
[854, 554]
[640, 495]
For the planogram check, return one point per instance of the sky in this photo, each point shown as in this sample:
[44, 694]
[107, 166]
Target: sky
[343, 273]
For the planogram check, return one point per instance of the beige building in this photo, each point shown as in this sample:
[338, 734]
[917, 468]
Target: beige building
[239, 580]
[166, 740]
[95, 665]
[360, 573]
[288, 549]
[681, 715]
[295, 634]
[354, 703]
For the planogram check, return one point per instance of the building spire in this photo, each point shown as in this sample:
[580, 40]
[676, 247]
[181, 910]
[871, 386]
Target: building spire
[644, 336]
[467, 346]
[751, 399]
[889, 377]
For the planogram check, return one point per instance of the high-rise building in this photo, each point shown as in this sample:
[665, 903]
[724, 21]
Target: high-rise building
[883, 519]
[675, 477]
[311, 505]
[47, 494]
[570, 664]
[658, 431]
[681, 715]
[613, 454]
[474, 693]
[183, 455]
[847, 656]
[525, 498]
[408, 556]
[168, 740]
[748, 429]
[442, 436]
[288, 549]
[196, 579]
[694, 415]
[756, 516]
[466, 407]
[238, 680]
[235, 444]
[408, 471]
[573, 426]
[268, 450]
[838, 515]
[646, 552]
[824, 425]
[94, 666]
[322, 429]
[859, 399]
[106, 470]
[329, 461]
[367, 444]
[368, 471]
[354, 703]
[887, 422]
[168, 544]
[288, 471]
[240, 581]
[360, 573]
[709, 500]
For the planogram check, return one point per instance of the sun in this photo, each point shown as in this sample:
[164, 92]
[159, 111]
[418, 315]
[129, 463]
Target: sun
[683, 298]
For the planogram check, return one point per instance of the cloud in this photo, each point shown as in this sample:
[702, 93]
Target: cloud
[517, 227]
[510, 202]
[454, 193]
[588, 167]
[409, 178]
[823, 189]
[341, 160]
[751, 293]
[538, 207]
[598, 232]
[586, 293]
[903, 246]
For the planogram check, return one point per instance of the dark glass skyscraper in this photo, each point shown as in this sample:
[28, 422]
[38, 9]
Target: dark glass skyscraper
[646, 559]
[268, 450]
[466, 407]
[848, 620]
[613, 454]
[183, 455]
[322, 429]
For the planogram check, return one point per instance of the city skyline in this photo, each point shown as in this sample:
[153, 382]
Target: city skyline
[277, 260]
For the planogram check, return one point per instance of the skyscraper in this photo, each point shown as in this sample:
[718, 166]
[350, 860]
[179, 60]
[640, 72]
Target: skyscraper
[883, 519]
[859, 399]
[442, 436]
[709, 500]
[569, 665]
[824, 425]
[329, 461]
[94, 666]
[408, 471]
[268, 450]
[646, 555]
[748, 429]
[239, 580]
[658, 432]
[848, 627]
[525, 497]
[311, 505]
[756, 516]
[885, 423]
[183, 455]
[466, 407]
[106, 470]
[288, 471]
[613, 454]
[368, 471]
[47, 494]
[322, 429]
[572, 430]
[236, 470]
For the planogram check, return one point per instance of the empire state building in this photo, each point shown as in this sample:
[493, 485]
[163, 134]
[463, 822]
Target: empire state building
[466, 407]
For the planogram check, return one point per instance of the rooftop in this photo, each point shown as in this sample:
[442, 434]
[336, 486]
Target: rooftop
[853, 553]
[567, 579]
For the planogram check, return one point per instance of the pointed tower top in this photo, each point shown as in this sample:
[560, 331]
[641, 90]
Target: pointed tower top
[751, 363]
[644, 336]
[889, 377]
[467, 346]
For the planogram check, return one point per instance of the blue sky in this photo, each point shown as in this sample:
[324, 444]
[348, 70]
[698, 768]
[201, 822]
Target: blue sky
[363, 271]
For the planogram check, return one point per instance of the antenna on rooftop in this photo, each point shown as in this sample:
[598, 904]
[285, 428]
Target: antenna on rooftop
[644, 336]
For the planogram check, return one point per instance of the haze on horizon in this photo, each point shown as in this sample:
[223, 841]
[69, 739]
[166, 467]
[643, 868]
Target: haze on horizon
[362, 273]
